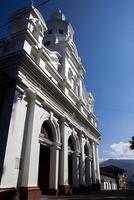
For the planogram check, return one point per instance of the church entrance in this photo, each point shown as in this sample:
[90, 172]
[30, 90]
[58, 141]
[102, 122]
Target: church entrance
[44, 166]
[44, 159]
[70, 174]
[70, 161]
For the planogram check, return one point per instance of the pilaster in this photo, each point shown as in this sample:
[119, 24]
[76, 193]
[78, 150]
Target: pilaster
[94, 166]
[64, 154]
[97, 163]
[30, 153]
[90, 172]
[64, 187]
[54, 169]
[82, 161]
[76, 156]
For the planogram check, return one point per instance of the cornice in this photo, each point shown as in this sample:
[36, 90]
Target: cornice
[39, 78]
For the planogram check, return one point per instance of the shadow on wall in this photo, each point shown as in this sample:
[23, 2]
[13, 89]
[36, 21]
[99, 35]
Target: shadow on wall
[6, 101]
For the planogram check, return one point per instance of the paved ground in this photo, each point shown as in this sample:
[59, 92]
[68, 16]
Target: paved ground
[95, 195]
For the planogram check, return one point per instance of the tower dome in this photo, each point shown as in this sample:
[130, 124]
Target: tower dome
[59, 31]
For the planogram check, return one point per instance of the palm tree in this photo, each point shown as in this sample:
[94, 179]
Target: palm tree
[131, 143]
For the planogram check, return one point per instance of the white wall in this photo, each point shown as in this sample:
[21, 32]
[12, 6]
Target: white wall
[109, 183]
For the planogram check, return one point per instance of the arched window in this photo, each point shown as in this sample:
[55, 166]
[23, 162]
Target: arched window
[86, 151]
[46, 131]
[70, 144]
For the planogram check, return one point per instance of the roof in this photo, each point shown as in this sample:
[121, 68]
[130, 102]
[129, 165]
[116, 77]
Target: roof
[107, 174]
[113, 168]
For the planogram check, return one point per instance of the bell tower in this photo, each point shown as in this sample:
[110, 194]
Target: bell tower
[59, 33]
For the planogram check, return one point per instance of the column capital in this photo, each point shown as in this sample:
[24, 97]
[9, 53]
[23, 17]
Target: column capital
[51, 117]
[89, 158]
[19, 95]
[63, 120]
[77, 153]
[55, 146]
[30, 94]
[94, 143]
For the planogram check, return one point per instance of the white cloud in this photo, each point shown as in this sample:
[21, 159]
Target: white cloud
[118, 151]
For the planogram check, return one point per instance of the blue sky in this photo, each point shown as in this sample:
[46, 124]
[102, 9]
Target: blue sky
[104, 36]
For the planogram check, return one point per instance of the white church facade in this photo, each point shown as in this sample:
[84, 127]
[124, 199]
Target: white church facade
[48, 130]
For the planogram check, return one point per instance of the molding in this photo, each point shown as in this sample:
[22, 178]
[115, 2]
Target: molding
[49, 90]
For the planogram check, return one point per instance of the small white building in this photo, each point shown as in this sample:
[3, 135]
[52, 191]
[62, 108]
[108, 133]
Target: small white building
[113, 178]
[108, 181]
[48, 130]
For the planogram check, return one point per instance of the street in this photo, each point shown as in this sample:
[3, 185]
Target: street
[98, 195]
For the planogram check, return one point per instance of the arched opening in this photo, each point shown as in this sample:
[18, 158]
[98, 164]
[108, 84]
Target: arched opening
[87, 165]
[86, 151]
[70, 160]
[44, 159]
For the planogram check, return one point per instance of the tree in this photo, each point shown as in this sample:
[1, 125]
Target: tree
[131, 143]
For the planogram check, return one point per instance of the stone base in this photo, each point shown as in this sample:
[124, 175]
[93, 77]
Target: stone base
[53, 192]
[65, 190]
[9, 194]
[29, 193]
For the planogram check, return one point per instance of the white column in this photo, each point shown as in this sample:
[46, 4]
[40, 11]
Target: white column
[64, 155]
[76, 169]
[14, 143]
[54, 167]
[97, 162]
[82, 161]
[90, 172]
[30, 154]
[94, 169]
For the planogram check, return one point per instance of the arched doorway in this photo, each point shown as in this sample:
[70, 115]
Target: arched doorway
[71, 150]
[86, 152]
[70, 161]
[44, 159]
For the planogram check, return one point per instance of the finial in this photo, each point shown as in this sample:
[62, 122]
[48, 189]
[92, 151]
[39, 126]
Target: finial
[58, 10]
[32, 3]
